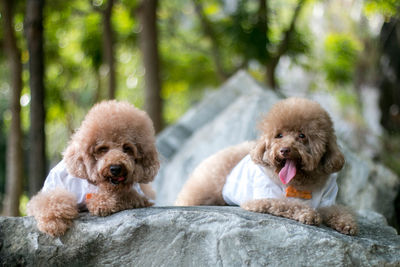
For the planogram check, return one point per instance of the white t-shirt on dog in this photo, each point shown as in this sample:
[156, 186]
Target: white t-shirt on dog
[249, 181]
[59, 177]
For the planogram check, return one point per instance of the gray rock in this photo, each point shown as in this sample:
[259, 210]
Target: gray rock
[171, 139]
[229, 116]
[366, 185]
[195, 236]
[372, 216]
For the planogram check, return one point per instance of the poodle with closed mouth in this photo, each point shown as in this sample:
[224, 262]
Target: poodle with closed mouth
[106, 168]
[288, 171]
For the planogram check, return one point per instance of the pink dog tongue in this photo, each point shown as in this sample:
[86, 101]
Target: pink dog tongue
[120, 179]
[288, 171]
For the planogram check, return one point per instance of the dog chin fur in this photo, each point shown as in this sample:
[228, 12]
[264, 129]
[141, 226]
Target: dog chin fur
[299, 126]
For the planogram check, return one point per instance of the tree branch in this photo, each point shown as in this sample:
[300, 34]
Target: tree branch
[284, 44]
[209, 32]
[283, 47]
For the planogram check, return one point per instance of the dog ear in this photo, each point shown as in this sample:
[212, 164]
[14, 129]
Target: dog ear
[257, 154]
[74, 160]
[148, 160]
[333, 160]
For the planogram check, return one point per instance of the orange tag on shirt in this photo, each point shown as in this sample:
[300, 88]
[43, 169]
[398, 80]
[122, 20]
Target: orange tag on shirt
[89, 196]
[293, 192]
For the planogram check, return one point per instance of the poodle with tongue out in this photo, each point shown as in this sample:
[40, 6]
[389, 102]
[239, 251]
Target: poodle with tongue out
[288, 171]
[106, 168]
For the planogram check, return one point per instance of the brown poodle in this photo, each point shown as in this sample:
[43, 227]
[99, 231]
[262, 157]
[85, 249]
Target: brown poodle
[287, 172]
[109, 161]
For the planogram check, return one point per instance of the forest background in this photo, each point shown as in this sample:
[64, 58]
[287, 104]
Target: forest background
[58, 58]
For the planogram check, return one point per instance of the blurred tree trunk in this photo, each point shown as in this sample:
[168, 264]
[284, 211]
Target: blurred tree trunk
[14, 165]
[389, 83]
[34, 35]
[389, 86]
[151, 61]
[282, 49]
[108, 48]
[262, 20]
[97, 95]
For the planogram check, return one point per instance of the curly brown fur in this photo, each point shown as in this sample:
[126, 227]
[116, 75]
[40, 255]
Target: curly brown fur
[284, 208]
[339, 218]
[317, 154]
[113, 149]
[204, 187]
[296, 130]
[113, 133]
[110, 199]
[54, 211]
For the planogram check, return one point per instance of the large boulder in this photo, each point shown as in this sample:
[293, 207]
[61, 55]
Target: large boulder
[195, 236]
[229, 116]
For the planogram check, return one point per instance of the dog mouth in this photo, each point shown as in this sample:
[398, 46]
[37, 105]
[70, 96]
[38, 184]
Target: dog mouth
[116, 180]
[288, 169]
[116, 174]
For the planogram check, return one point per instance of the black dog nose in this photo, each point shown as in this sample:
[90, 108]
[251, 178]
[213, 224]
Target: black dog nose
[115, 169]
[285, 151]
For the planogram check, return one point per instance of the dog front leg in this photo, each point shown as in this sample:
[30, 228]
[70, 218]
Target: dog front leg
[340, 219]
[284, 208]
[133, 200]
[106, 203]
[54, 211]
[102, 204]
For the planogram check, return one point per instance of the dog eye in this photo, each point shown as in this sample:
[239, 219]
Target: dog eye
[101, 149]
[127, 149]
[279, 135]
[302, 136]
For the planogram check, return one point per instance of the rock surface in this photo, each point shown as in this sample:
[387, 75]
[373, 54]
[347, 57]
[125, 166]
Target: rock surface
[229, 116]
[195, 236]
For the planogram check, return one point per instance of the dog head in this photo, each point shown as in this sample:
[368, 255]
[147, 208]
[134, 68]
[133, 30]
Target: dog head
[297, 138]
[115, 144]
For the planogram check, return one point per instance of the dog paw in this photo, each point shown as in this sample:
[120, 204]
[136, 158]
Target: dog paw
[347, 228]
[146, 203]
[55, 227]
[309, 217]
[100, 210]
[102, 204]
[248, 206]
[256, 206]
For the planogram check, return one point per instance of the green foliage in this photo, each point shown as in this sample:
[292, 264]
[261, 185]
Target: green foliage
[389, 8]
[91, 40]
[246, 32]
[186, 64]
[23, 200]
[299, 43]
[347, 98]
[130, 75]
[125, 23]
[341, 53]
